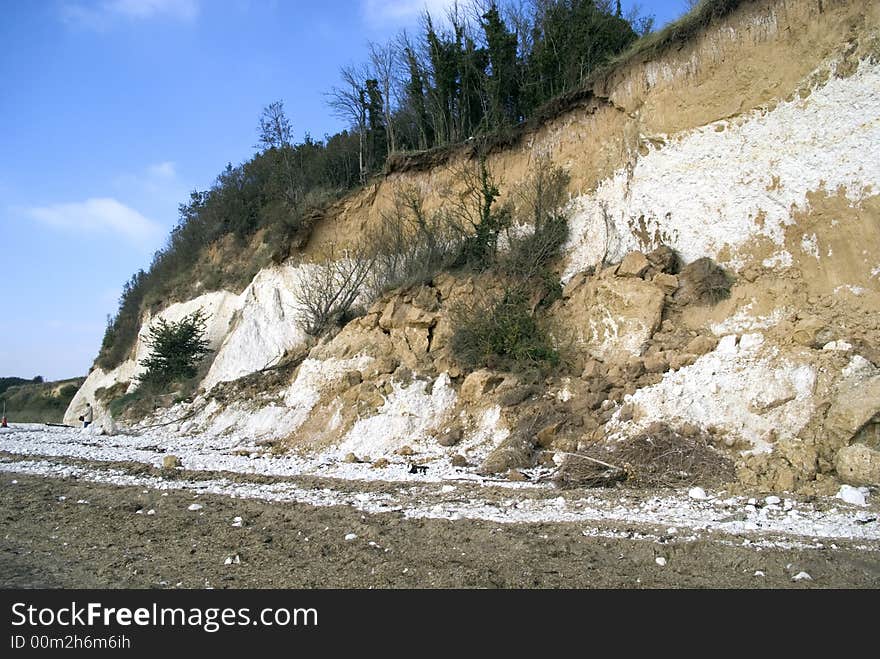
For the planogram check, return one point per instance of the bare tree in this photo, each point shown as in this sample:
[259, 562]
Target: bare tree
[383, 60]
[328, 290]
[349, 103]
[275, 130]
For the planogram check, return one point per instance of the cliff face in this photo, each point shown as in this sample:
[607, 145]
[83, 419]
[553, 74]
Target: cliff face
[753, 143]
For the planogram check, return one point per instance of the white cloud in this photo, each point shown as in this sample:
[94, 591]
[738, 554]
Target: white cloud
[101, 215]
[162, 170]
[398, 13]
[102, 14]
[156, 184]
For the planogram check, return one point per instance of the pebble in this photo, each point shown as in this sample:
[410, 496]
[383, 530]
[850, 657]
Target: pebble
[697, 493]
[660, 561]
[772, 500]
[350, 536]
[802, 576]
[759, 573]
[151, 512]
[195, 506]
[236, 521]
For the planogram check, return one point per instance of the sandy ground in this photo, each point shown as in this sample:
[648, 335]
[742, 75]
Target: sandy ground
[69, 532]
[80, 510]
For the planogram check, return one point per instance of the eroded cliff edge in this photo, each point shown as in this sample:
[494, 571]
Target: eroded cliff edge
[753, 143]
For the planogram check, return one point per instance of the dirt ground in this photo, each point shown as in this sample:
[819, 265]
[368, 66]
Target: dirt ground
[65, 533]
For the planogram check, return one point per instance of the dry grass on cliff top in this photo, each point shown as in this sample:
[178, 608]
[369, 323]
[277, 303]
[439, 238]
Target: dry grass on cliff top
[675, 34]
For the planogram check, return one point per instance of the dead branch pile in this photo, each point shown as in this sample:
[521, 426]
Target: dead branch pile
[658, 457]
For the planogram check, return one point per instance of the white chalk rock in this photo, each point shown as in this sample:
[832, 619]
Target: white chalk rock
[858, 496]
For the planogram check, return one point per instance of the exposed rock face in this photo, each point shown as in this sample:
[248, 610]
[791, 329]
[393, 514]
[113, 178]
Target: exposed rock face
[265, 327]
[609, 318]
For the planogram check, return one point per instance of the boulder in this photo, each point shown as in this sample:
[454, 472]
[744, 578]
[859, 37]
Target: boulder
[108, 425]
[666, 283]
[398, 314]
[678, 361]
[459, 460]
[477, 384]
[449, 436]
[700, 345]
[853, 411]
[858, 465]
[634, 264]
[547, 434]
[810, 332]
[656, 363]
[610, 319]
[593, 369]
[515, 395]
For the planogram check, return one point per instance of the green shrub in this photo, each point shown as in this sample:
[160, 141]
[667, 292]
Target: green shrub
[500, 334]
[68, 391]
[476, 216]
[176, 349]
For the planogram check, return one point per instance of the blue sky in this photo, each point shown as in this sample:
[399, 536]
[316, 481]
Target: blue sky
[113, 110]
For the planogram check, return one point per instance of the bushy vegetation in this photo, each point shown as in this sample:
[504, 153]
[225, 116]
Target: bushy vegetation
[703, 282]
[412, 245]
[500, 333]
[35, 401]
[176, 351]
[482, 69]
[5, 383]
[503, 330]
[328, 290]
[512, 245]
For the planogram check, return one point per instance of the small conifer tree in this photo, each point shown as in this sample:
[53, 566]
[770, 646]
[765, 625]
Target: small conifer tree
[175, 350]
